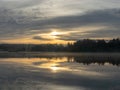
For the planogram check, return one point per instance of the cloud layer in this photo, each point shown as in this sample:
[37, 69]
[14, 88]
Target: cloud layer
[89, 18]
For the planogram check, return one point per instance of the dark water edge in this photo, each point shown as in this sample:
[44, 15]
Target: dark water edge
[56, 54]
[84, 58]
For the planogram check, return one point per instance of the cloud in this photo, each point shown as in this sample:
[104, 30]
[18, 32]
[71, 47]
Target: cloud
[40, 38]
[104, 18]
[28, 18]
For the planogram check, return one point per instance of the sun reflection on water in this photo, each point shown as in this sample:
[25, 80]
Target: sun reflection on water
[51, 64]
[54, 68]
[54, 65]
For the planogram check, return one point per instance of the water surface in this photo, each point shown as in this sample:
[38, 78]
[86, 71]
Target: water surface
[57, 71]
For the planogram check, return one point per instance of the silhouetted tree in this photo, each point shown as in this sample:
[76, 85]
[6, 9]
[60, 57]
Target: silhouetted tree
[85, 45]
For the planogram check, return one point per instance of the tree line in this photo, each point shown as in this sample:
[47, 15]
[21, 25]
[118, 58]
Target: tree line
[85, 45]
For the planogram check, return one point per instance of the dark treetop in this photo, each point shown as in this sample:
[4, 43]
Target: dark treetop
[85, 45]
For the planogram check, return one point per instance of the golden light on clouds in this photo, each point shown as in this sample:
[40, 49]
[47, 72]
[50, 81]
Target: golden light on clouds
[54, 36]
[32, 41]
[29, 40]
[51, 21]
[55, 33]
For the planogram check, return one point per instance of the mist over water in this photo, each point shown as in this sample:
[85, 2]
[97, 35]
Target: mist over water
[60, 71]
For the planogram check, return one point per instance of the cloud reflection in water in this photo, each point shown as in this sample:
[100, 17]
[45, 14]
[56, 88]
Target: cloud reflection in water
[61, 73]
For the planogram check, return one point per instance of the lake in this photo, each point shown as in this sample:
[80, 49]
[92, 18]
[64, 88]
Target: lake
[59, 71]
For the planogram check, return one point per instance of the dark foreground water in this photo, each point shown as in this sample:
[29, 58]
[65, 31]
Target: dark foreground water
[60, 71]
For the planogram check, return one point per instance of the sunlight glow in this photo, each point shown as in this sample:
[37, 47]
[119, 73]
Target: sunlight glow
[54, 33]
[54, 68]
[52, 37]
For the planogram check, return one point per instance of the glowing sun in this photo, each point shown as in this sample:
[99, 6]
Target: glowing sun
[54, 33]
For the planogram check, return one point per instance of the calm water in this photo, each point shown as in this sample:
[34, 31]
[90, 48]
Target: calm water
[60, 71]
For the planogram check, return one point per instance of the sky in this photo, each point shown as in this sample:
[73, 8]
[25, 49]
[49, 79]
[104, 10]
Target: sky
[58, 21]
